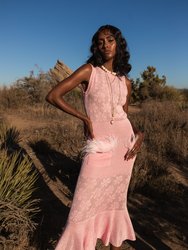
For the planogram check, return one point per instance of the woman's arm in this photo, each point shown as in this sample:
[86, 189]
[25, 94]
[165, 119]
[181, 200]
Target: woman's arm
[55, 96]
[139, 135]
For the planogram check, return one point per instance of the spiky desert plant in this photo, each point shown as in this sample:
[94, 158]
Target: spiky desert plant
[9, 137]
[17, 207]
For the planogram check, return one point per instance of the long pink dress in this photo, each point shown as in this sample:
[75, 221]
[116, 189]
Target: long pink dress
[99, 207]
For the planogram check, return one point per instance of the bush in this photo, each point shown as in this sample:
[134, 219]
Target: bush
[17, 205]
[165, 125]
[171, 94]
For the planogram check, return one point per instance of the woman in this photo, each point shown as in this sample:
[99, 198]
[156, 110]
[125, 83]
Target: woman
[99, 208]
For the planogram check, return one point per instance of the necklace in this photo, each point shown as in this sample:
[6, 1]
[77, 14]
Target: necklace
[108, 71]
[112, 97]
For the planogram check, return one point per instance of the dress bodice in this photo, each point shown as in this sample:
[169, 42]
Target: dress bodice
[106, 94]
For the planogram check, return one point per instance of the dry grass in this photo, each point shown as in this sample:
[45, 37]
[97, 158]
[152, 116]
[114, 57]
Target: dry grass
[165, 126]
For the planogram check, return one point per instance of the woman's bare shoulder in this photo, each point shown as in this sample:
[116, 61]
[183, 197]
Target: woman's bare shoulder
[84, 70]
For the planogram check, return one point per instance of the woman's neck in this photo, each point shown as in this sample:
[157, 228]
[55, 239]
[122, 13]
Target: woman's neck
[108, 65]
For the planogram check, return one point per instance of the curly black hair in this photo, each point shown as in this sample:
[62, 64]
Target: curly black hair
[120, 63]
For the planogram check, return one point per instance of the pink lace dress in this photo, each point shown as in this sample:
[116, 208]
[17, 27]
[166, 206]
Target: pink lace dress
[99, 207]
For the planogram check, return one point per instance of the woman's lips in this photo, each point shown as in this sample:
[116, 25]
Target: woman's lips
[107, 52]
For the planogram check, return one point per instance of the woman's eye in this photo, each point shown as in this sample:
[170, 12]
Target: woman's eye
[111, 40]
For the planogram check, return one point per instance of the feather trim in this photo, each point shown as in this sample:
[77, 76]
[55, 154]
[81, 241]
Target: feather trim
[100, 146]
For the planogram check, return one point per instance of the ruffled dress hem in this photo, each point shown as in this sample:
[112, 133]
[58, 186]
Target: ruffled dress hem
[110, 226]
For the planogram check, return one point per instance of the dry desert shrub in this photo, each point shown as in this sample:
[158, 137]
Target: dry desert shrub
[48, 112]
[30, 91]
[11, 98]
[26, 91]
[165, 125]
[66, 137]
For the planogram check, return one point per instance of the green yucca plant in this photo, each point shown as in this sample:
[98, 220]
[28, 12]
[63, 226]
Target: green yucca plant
[17, 207]
[16, 179]
[9, 136]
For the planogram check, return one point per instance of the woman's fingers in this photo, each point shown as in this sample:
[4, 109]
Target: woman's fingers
[132, 153]
[136, 148]
[91, 134]
[88, 129]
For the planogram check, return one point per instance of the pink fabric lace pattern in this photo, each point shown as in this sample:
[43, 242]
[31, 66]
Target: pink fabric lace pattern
[98, 96]
[94, 196]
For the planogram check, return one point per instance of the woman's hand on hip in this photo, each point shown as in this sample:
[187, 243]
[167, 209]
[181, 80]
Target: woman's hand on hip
[136, 147]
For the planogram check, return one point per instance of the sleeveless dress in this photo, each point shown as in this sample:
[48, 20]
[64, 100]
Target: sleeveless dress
[99, 207]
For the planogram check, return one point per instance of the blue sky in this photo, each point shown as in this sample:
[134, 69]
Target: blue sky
[35, 33]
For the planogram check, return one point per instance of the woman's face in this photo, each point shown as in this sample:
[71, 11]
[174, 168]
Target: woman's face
[107, 45]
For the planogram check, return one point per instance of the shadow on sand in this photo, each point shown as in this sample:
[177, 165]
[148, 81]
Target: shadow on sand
[157, 221]
[54, 214]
